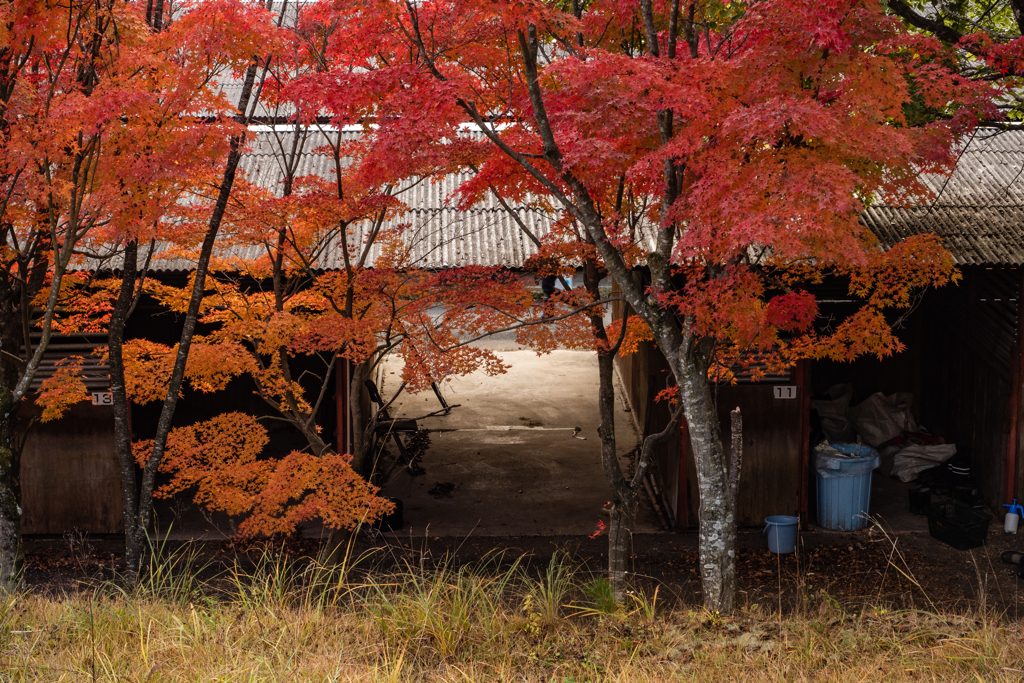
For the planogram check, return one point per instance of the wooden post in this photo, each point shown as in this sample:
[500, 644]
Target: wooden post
[683, 503]
[342, 381]
[1013, 438]
[802, 378]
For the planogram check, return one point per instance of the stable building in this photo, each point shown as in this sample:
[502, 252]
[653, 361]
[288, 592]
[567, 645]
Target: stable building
[962, 362]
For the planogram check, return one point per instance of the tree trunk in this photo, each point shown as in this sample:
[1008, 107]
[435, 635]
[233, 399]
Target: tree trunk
[620, 526]
[335, 550]
[10, 457]
[137, 525]
[11, 555]
[360, 455]
[717, 520]
[134, 536]
[620, 535]
[736, 429]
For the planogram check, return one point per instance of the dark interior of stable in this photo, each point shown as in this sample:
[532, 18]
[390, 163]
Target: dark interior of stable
[959, 363]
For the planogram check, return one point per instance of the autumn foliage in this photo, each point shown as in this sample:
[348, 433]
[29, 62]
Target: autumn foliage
[219, 462]
[727, 149]
[712, 157]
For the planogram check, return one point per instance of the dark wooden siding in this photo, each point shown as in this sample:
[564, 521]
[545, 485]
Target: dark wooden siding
[958, 363]
[967, 366]
[770, 469]
[960, 341]
[769, 484]
[69, 475]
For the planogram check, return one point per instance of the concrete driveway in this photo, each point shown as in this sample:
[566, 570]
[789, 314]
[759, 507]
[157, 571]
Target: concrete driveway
[520, 456]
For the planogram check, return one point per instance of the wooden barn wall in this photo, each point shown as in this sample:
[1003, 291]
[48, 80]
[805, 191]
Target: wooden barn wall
[966, 381]
[633, 368]
[770, 474]
[69, 475]
[771, 440]
[770, 467]
[643, 374]
[960, 342]
[770, 482]
[958, 362]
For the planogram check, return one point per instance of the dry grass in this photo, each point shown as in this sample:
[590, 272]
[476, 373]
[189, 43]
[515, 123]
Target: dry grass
[289, 621]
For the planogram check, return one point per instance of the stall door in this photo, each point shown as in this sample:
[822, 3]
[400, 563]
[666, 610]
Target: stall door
[770, 471]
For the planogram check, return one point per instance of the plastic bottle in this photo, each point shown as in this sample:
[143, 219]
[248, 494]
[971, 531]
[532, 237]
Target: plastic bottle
[1013, 516]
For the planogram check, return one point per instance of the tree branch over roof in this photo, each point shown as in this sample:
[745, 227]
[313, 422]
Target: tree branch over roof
[918, 20]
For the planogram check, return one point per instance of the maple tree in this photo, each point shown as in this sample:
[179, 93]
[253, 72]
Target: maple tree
[723, 150]
[357, 313]
[267, 312]
[97, 116]
[120, 125]
[987, 36]
[748, 137]
[207, 43]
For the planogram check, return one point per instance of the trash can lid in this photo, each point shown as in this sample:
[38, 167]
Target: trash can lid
[845, 459]
[857, 450]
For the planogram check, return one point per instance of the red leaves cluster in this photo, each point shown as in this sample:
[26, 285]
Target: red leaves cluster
[62, 389]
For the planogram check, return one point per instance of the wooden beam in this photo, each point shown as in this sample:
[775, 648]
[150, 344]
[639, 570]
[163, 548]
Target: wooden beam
[1013, 438]
[802, 378]
[682, 498]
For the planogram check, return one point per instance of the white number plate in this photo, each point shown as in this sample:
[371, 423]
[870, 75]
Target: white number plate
[102, 398]
[785, 391]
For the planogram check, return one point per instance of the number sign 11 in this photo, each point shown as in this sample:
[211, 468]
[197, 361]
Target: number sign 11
[785, 391]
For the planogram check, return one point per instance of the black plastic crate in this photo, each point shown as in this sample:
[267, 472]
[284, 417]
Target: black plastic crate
[957, 524]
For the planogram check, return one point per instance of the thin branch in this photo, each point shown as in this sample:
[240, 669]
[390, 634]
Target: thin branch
[622, 334]
[528, 323]
[647, 450]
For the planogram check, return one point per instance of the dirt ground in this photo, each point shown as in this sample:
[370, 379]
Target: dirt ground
[908, 570]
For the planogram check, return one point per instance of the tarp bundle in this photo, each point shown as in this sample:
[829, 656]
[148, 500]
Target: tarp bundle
[877, 421]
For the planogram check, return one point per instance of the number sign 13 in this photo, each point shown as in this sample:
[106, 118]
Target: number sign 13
[102, 398]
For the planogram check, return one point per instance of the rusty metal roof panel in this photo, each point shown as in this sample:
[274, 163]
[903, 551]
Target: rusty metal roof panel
[974, 235]
[978, 210]
[436, 232]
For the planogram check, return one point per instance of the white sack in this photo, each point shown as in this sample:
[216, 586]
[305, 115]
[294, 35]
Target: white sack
[834, 421]
[880, 417]
[913, 460]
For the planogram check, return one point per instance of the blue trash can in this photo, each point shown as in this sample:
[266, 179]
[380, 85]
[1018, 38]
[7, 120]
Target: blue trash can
[844, 485]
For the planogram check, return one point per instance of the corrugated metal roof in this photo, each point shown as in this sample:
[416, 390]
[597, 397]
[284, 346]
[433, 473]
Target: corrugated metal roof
[231, 88]
[978, 211]
[437, 239]
[438, 235]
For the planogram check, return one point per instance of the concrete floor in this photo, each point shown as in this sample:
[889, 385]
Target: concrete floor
[506, 461]
[511, 460]
[890, 505]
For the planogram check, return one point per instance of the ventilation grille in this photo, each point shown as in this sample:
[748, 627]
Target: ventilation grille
[95, 371]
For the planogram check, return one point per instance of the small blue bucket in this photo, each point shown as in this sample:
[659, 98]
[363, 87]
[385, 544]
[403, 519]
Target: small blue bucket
[781, 530]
